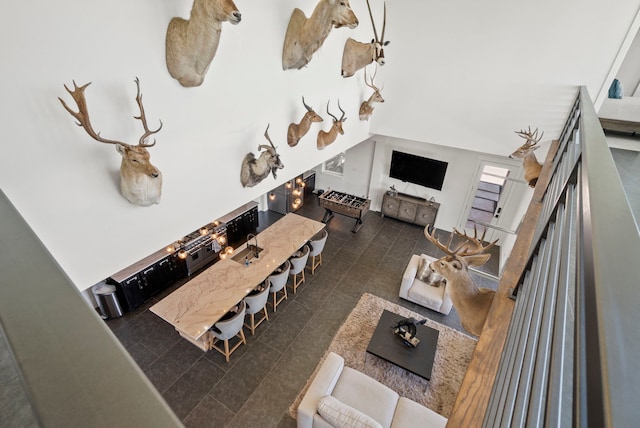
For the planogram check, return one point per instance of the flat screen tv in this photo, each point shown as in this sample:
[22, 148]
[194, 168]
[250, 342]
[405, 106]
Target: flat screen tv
[418, 170]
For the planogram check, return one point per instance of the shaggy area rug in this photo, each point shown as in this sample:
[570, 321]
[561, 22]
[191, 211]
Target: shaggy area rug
[452, 357]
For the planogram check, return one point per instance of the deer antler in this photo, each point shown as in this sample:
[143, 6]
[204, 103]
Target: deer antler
[342, 118]
[305, 105]
[143, 119]
[82, 115]
[531, 137]
[473, 245]
[335, 119]
[373, 24]
[371, 85]
[266, 135]
[469, 247]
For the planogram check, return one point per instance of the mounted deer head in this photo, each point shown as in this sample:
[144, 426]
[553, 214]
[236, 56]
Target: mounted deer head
[305, 35]
[298, 130]
[327, 137]
[531, 165]
[471, 302]
[357, 55]
[254, 170]
[366, 108]
[140, 181]
[191, 44]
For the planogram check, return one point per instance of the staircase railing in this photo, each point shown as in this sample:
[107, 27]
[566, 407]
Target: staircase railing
[565, 353]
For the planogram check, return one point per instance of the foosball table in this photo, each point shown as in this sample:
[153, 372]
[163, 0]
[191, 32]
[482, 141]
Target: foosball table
[345, 204]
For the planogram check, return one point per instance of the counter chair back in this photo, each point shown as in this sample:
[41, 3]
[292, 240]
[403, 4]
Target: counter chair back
[317, 245]
[298, 263]
[278, 282]
[228, 329]
[256, 303]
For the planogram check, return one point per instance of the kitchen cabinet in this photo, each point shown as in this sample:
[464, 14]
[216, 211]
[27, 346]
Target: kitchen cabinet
[410, 209]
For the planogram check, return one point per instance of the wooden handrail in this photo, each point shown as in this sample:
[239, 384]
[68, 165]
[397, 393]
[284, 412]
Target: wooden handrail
[475, 391]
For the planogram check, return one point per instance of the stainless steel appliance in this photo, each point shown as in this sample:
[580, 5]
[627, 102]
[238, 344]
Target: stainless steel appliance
[202, 246]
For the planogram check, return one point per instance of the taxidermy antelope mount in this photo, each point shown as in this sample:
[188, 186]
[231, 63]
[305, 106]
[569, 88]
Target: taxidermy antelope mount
[306, 35]
[255, 170]
[471, 302]
[366, 108]
[192, 44]
[357, 55]
[525, 152]
[327, 137]
[140, 181]
[298, 130]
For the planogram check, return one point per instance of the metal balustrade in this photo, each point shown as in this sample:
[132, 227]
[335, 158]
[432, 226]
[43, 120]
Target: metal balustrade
[571, 349]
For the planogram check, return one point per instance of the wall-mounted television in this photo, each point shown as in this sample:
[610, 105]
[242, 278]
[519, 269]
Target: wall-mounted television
[417, 169]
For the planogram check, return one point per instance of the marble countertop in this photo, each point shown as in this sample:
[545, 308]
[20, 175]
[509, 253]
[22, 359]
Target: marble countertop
[198, 304]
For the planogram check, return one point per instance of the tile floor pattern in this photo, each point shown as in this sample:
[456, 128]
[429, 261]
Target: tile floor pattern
[263, 378]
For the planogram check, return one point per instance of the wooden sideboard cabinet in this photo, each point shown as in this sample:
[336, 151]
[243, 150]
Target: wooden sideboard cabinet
[410, 209]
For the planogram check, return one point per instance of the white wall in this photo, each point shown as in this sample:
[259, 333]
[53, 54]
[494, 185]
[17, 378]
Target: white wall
[629, 73]
[357, 172]
[66, 185]
[471, 75]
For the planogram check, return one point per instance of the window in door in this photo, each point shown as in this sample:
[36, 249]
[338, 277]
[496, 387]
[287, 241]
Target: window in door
[486, 200]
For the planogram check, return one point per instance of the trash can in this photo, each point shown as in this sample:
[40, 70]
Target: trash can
[105, 295]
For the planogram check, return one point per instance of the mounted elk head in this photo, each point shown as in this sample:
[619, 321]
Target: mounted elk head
[305, 35]
[298, 130]
[471, 302]
[327, 137]
[255, 170]
[357, 55]
[366, 108]
[140, 181]
[532, 167]
[191, 44]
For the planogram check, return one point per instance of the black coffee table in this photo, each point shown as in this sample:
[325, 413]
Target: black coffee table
[387, 345]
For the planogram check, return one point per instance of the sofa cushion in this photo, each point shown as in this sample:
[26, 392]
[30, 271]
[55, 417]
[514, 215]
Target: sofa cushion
[341, 415]
[425, 295]
[367, 395]
[410, 414]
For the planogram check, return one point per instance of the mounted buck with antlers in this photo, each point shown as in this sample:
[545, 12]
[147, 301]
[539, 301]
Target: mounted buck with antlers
[298, 130]
[357, 55]
[531, 165]
[254, 170]
[191, 44]
[305, 35]
[140, 181]
[327, 137]
[366, 108]
[471, 302]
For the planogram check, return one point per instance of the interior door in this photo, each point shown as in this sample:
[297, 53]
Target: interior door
[490, 197]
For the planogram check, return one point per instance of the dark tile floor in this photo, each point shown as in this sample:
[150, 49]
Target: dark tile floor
[263, 378]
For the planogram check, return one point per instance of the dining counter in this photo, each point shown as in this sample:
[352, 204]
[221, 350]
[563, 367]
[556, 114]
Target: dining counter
[198, 304]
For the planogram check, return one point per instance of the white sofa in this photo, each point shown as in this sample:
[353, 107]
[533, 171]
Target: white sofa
[419, 292]
[348, 398]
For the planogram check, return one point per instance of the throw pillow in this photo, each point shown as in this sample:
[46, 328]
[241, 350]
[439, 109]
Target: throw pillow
[423, 270]
[426, 275]
[341, 415]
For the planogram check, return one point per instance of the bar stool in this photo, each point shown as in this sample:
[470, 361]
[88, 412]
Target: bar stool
[278, 281]
[298, 263]
[255, 303]
[317, 245]
[229, 328]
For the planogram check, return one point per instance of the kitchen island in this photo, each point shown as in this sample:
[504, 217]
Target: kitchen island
[197, 305]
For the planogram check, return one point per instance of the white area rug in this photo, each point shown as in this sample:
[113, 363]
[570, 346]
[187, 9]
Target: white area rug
[453, 354]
